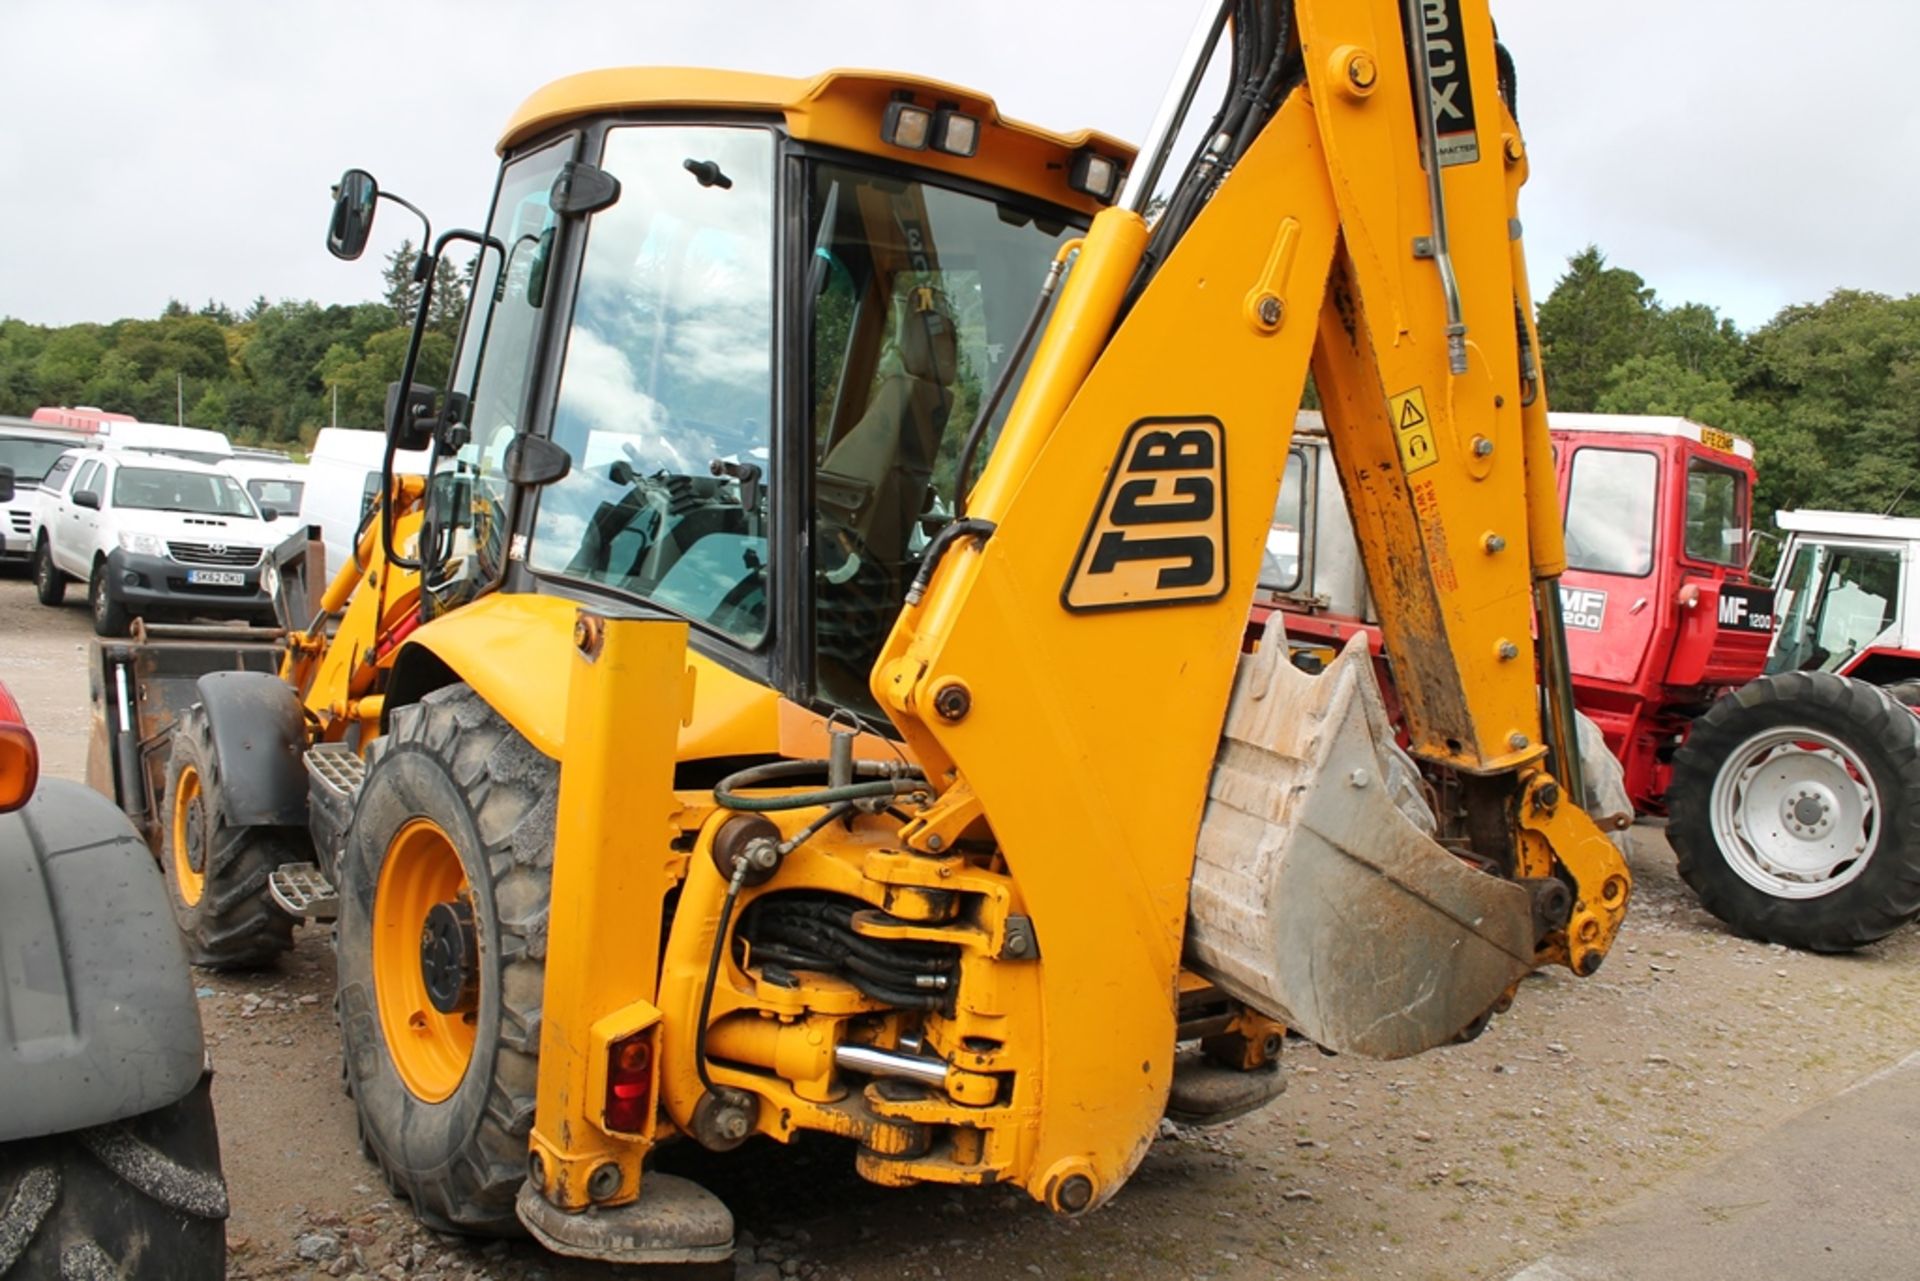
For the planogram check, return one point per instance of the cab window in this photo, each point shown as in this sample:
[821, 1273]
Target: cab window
[57, 475]
[1716, 513]
[1610, 509]
[1281, 563]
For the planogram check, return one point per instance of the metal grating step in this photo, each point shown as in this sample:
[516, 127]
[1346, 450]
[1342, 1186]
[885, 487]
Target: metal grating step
[301, 891]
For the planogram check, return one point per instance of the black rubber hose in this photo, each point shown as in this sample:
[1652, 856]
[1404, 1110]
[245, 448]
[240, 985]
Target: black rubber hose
[713, 975]
[891, 779]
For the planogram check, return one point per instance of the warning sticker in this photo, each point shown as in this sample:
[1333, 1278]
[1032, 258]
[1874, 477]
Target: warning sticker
[1413, 429]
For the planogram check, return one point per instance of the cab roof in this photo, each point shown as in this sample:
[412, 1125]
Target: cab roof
[1647, 425]
[1848, 524]
[842, 108]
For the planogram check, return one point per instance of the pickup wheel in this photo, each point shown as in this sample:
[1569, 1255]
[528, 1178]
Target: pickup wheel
[440, 956]
[216, 872]
[1795, 811]
[49, 584]
[142, 1197]
[110, 617]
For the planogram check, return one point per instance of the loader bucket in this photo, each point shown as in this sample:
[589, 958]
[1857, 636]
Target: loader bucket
[139, 687]
[1319, 897]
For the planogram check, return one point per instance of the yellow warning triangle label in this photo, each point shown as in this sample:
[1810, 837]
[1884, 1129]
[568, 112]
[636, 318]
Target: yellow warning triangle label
[1410, 415]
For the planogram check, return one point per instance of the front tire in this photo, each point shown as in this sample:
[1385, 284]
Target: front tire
[141, 1198]
[49, 584]
[110, 617]
[1795, 811]
[440, 955]
[217, 873]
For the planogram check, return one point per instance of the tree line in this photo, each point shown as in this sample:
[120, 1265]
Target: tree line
[274, 373]
[1826, 391]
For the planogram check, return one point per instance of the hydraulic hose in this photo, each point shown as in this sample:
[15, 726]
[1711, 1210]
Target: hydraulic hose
[890, 779]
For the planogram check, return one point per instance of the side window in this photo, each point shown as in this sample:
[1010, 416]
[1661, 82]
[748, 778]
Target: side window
[58, 474]
[1280, 566]
[1716, 513]
[369, 491]
[1610, 508]
[89, 478]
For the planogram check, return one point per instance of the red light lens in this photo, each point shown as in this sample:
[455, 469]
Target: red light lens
[630, 1083]
[19, 755]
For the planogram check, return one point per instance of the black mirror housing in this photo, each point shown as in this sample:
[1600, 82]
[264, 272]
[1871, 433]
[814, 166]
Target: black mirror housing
[353, 202]
[534, 461]
[269, 513]
[410, 426]
[88, 499]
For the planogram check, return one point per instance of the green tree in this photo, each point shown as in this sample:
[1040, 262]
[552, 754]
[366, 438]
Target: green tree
[1596, 317]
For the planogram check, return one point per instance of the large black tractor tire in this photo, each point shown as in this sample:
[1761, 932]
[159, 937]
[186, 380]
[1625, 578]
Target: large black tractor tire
[1794, 809]
[141, 1199]
[110, 617]
[49, 584]
[217, 872]
[457, 808]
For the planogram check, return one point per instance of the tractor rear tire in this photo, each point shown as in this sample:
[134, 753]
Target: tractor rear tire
[1794, 810]
[457, 809]
[216, 872]
[141, 1198]
[49, 584]
[1905, 692]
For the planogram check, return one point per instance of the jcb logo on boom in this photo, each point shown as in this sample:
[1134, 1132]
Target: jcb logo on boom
[1158, 536]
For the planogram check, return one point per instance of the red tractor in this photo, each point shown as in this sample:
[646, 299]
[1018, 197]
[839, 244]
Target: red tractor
[1786, 784]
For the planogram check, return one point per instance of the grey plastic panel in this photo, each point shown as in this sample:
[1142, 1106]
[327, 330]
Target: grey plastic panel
[97, 1014]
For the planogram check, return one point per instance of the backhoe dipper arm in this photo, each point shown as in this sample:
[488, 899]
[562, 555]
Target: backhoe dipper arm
[1069, 672]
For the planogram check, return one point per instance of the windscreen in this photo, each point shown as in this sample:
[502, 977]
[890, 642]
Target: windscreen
[166, 490]
[1716, 513]
[30, 458]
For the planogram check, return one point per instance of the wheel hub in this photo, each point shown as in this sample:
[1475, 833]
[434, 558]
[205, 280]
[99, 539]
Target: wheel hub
[1808, 811]
[449, 958]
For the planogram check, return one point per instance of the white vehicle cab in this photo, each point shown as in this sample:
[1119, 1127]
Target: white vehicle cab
[343, 479]
[273, 480]
[152, 536]
[28, 450]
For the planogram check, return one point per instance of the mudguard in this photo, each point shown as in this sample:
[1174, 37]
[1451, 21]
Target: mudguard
[98, 1021]
[258, 736]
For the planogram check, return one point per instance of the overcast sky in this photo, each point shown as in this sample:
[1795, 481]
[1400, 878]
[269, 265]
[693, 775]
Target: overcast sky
[1744, 154]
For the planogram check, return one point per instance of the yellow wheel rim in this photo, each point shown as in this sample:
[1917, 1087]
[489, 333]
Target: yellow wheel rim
[430, 1049]
[189, 821]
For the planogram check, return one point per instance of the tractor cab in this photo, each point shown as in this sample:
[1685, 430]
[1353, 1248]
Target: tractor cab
[1844, 582]
[729, 336]
[1659, 605]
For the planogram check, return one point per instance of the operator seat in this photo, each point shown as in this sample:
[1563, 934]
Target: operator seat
[874, 479]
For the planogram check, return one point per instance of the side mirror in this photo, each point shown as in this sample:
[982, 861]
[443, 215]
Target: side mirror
[353, 201]
[6, 484]
[269, 513]
[87, 498]
[410, 426]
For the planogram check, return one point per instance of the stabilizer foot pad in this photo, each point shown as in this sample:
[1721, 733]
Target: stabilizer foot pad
[675, 1220]
[1204, 1093]
[302, 892]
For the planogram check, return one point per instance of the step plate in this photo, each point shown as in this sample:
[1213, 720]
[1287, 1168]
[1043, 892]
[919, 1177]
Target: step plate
[301, 891]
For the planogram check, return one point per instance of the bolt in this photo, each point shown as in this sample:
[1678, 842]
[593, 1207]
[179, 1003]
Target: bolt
[1493, 543]
[1514, 149]
[1508, 651]
[1076, 1193]
[1590, 964]
[1270, 1046]
[1482, 447]
[1517, 741]
[537, 1170]
[731, 1124]
[604, 1182]
[1357, 779]
[935, 844]
[1549, 796]
[1270, 311]
[1361, 73]
[952, 701]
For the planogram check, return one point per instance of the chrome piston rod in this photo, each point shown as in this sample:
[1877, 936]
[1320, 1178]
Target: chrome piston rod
[1152, 159]
[864, 1058]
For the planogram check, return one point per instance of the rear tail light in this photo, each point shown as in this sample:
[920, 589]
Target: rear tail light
[19, 755]
[629, 1103]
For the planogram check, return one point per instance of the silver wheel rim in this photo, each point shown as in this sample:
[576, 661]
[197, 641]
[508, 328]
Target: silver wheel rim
[1796, 813]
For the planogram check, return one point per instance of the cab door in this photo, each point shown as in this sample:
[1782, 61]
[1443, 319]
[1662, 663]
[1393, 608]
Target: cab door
[1610, 595]
[78, 528]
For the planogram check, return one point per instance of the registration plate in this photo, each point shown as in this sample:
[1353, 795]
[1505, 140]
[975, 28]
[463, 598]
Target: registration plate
[216, 578]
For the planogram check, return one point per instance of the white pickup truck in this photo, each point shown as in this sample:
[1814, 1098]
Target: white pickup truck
[151, 536]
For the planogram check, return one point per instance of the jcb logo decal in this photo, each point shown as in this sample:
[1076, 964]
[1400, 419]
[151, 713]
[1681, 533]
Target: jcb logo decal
[1159, 534]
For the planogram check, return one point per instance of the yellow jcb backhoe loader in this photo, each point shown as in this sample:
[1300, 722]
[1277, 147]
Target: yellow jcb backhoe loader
[808, 696]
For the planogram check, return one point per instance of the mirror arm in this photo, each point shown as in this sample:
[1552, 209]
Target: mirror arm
[426, 224]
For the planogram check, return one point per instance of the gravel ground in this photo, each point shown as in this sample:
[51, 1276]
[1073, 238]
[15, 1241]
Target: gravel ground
[1463, 1163]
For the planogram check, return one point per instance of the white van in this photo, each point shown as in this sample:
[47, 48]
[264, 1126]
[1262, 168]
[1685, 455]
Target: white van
[343, 479]
[200, 444]
[28, 450]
